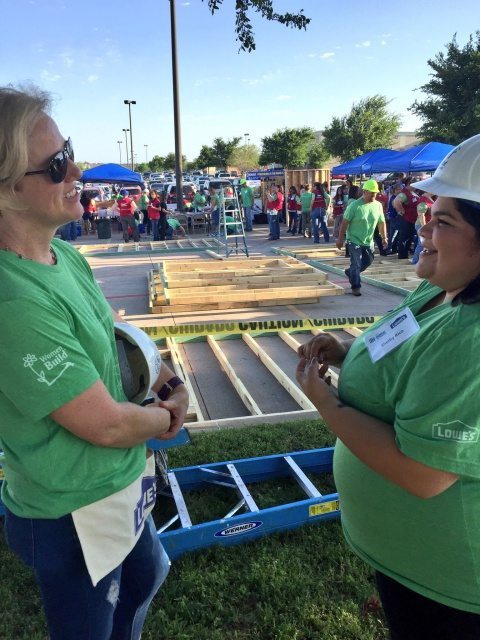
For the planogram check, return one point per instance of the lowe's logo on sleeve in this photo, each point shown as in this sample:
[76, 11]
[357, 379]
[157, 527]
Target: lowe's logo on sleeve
[455, 430]
[238, 529]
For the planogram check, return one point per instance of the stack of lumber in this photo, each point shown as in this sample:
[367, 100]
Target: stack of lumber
[197, 285]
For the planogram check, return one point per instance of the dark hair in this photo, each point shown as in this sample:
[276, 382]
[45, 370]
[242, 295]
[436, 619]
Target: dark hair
[470, 212]
[353, 192]
[85, 199]
[294, 189]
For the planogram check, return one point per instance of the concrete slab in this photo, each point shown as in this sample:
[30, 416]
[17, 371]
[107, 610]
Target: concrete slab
[124, 282]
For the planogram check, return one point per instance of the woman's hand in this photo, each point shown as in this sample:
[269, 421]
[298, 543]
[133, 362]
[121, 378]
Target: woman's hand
[163, 429]
[326, 347]
[311, 375]
[177, 405]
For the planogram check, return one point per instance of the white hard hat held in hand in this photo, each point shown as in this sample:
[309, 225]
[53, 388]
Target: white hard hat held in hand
[139, 361]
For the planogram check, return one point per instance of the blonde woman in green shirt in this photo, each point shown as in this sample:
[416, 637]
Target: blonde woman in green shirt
[79, 485]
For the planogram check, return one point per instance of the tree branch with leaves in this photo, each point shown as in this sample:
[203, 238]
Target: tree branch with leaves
[243, 24]
[451, 112]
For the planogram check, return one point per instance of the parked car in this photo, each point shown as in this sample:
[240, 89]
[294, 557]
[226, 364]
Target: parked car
[134, 191]
[156, 186]
[170, 191]
[219, 183]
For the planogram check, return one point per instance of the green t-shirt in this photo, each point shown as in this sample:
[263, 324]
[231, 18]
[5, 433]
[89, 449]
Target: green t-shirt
[199, 200]
[247, 196]
[428, 389]
[174, 223]
[363, 218]
[56, 340]
[144, 201]
[306, 199]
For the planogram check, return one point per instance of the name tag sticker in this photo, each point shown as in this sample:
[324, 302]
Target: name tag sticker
[390, 334]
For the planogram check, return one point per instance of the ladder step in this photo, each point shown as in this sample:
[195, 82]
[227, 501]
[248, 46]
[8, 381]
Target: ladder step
[308, 486]
[246, 495]
[179, 501]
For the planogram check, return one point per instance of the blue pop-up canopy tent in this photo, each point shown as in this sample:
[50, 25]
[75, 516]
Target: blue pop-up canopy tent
[363, 164]
[424, 157]
[111, 173]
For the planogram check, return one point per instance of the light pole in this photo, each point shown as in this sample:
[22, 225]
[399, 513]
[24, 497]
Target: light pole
[146, 152]
[246, 136]
[176, 110]
[119, 142]
[126, 144]
[130, 102]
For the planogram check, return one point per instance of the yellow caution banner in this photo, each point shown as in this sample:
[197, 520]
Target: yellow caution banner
[265, 326]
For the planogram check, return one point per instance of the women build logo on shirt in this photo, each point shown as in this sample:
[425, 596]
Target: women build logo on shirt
[53, 362]
[455, 430]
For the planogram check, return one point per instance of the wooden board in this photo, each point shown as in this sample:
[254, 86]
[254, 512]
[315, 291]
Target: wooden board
[147, 247]
[245, 383]
[387, 270]
[197, 285]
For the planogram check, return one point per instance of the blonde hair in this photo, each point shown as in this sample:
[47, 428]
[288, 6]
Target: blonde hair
[20, 108]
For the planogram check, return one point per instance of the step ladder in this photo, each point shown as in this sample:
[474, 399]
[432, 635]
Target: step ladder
[245, 520]
[231, 234]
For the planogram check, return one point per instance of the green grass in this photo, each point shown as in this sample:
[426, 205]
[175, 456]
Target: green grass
[298, 585]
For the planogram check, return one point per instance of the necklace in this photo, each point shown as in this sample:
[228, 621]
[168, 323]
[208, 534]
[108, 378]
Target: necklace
[53, 255]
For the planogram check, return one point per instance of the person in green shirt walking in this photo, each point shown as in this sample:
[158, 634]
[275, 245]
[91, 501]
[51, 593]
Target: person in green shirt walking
[359, 223]
[407, 457]
[246, 196]
[306, 200]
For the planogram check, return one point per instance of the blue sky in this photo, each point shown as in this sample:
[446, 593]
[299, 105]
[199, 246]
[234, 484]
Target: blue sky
[94, 54]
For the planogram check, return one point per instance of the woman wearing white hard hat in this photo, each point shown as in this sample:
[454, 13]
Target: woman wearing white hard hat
[78, 485]
[407, 459]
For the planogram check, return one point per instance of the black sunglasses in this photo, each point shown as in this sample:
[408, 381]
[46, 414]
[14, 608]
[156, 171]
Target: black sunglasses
[58, 164]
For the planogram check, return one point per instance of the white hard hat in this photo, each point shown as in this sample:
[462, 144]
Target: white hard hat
[458, 175]
[139, 361]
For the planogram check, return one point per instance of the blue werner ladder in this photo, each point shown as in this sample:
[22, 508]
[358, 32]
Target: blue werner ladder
[253, 522]
[236, 526]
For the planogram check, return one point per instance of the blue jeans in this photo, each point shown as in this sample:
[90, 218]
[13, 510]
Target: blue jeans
[215, 218]
[418, 247]
[75, 610]
[406, 237]
[361, 258]
[247, 213]
[393, 229]
[274, 226]
[154, 225]
[159, 228]
[68, 231]
[293, 221]
[319, 219]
